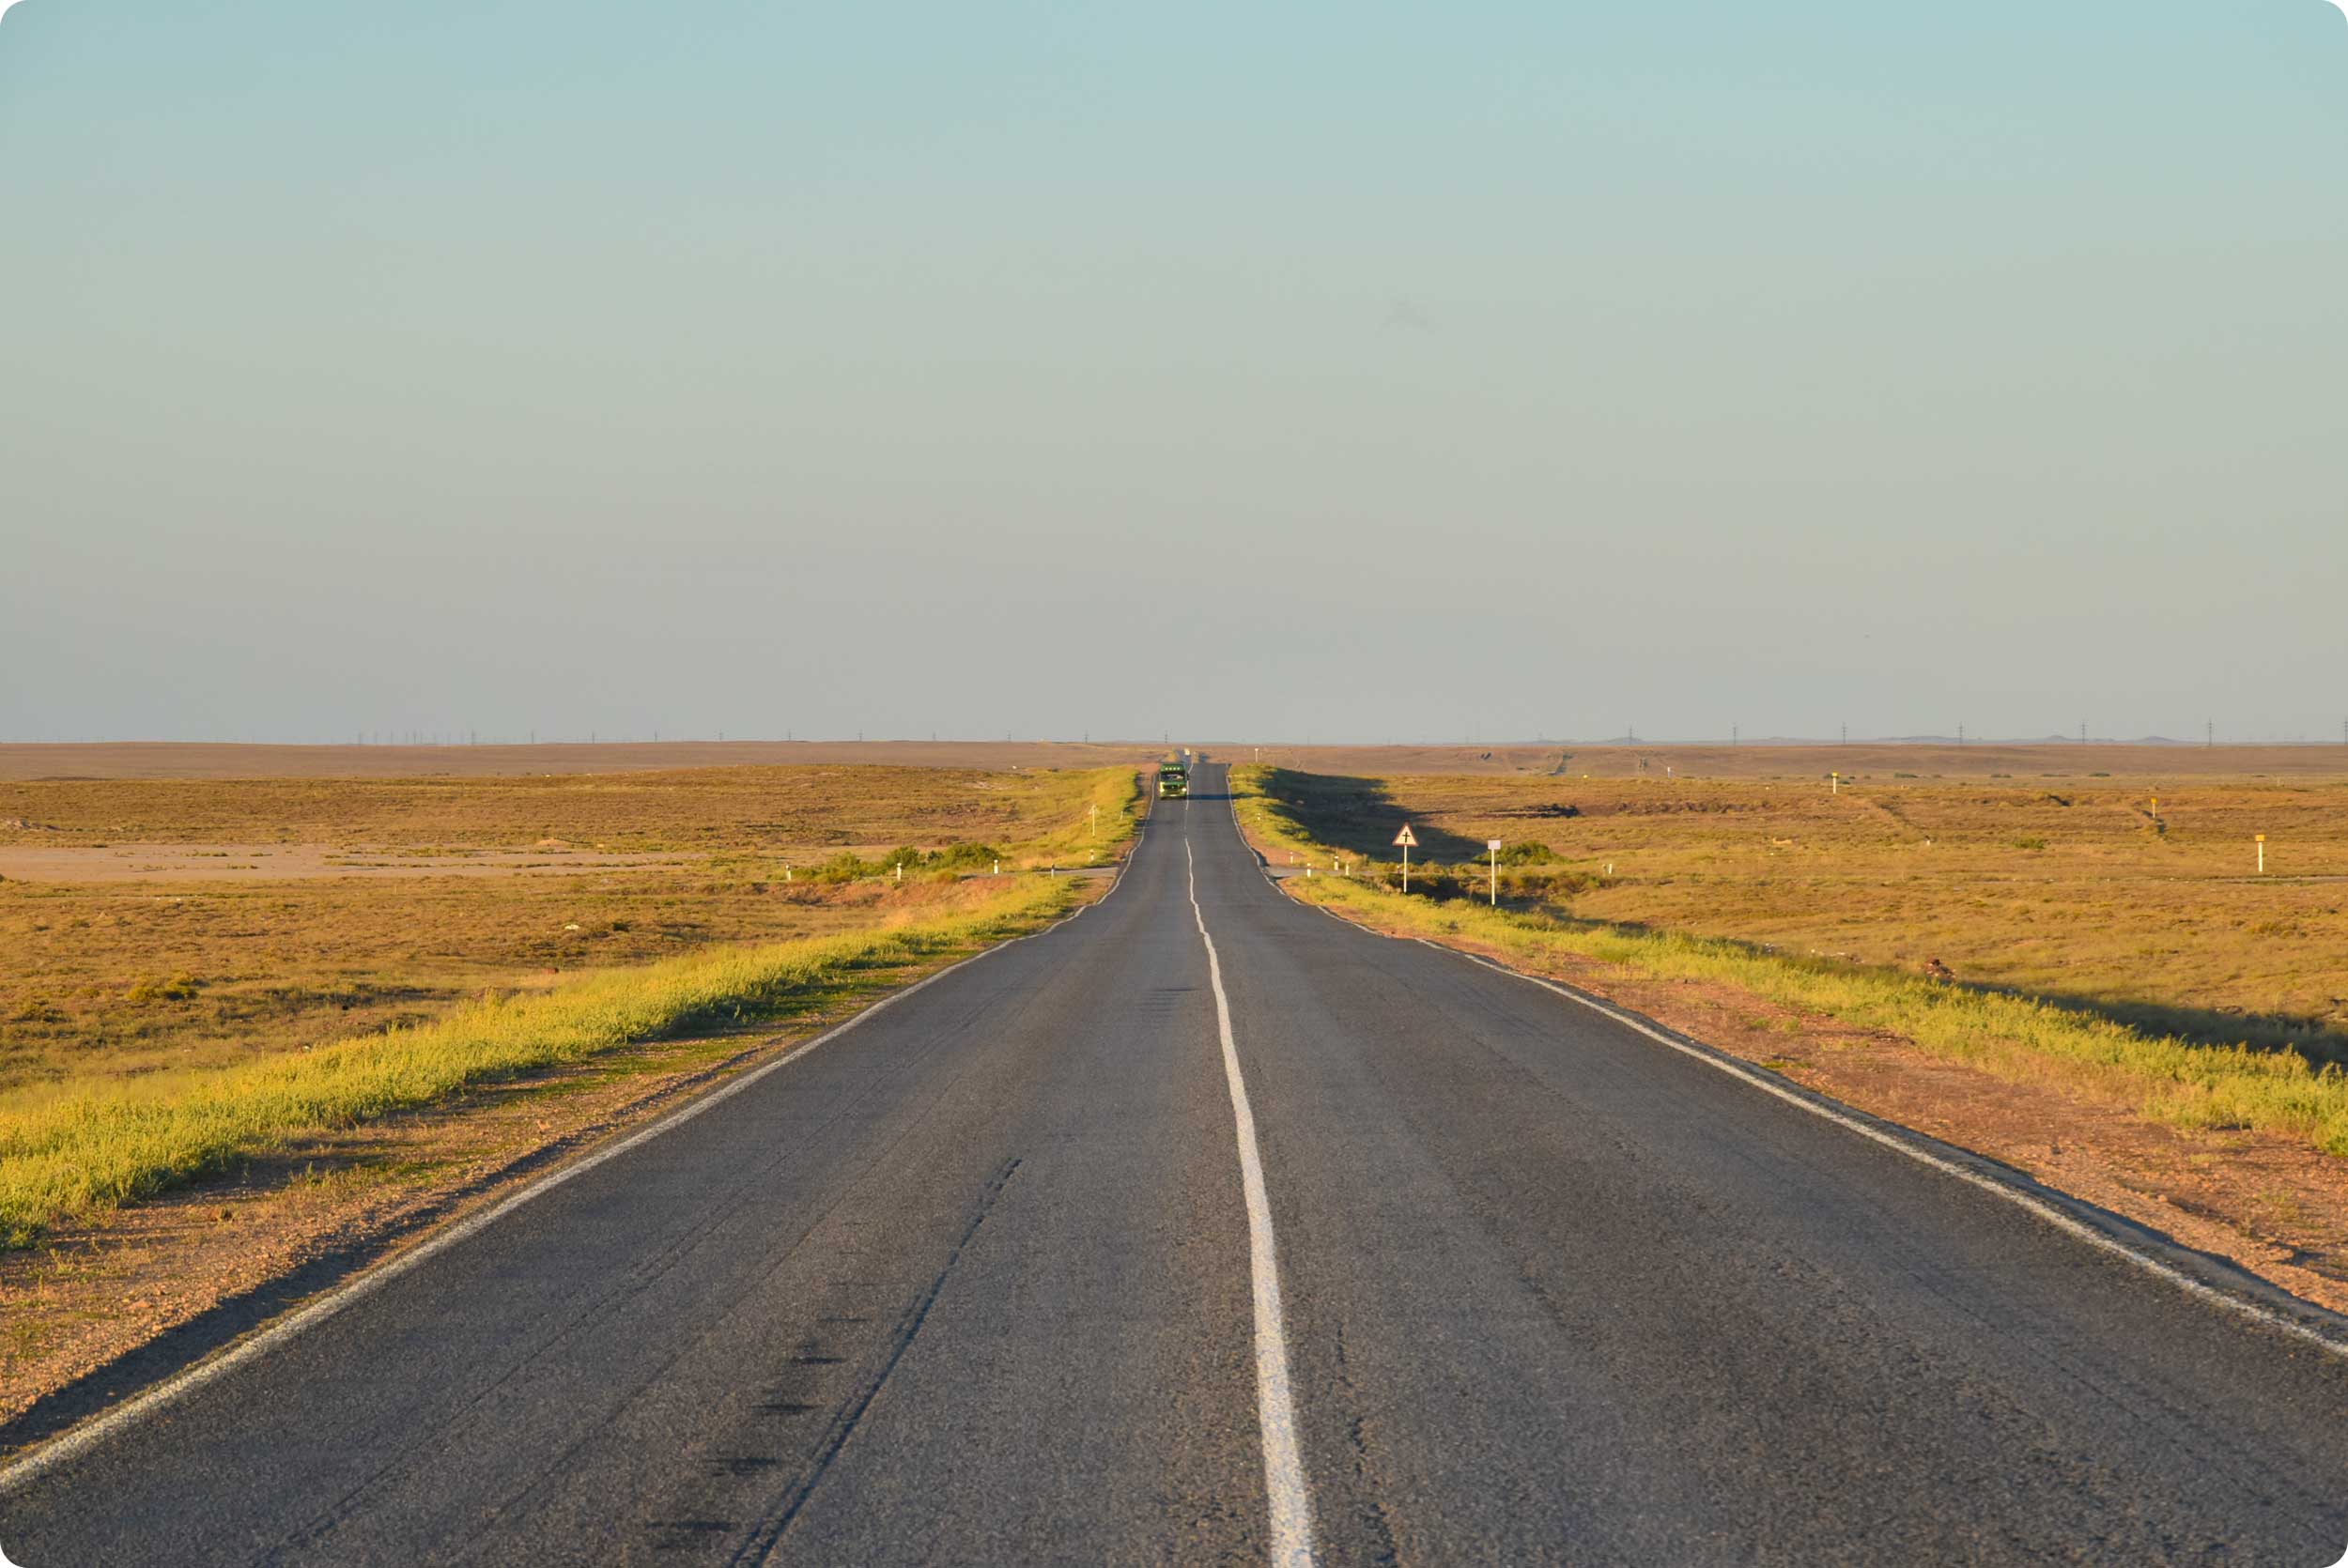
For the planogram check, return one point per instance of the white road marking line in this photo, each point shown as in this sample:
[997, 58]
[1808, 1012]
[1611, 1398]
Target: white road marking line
[2076, 1229]
[1275, 1406]
[78, 1440]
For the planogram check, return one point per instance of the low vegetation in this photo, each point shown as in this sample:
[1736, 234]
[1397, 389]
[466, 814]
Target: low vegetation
[364, 946]
[2276, 1074]
[360, 904]
[65, 1153]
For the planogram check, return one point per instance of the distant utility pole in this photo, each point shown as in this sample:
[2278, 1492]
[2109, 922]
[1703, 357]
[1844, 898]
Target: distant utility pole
[1960, 735]
[1846, 734]
[2209, 734]
[1732, 732]
[2082, 731]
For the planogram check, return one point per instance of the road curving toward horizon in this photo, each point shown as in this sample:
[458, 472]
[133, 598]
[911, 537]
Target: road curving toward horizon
[1206, 1227]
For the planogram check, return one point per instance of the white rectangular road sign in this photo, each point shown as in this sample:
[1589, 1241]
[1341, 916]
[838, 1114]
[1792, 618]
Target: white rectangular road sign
[1492, 844]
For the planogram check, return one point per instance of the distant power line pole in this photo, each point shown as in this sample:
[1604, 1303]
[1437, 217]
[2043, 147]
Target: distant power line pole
[1960, 735]
[2209, 734]
[2082, 731]
[1846, 734]
[1732, 733]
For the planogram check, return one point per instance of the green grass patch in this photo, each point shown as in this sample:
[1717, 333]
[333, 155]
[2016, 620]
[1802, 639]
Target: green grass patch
[2181, 1082]
[69, 1155]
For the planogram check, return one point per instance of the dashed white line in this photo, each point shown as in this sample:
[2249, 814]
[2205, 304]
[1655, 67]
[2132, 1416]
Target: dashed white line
[1291, 1541]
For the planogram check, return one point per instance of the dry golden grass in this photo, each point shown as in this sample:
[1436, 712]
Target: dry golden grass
[153, 1031]
[1666, 880]
[194, 760]
[73, 1152]
[1880, 759]
[127, 975]
[2062, 889]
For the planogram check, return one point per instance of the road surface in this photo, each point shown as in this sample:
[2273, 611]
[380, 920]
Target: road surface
[979, 1280]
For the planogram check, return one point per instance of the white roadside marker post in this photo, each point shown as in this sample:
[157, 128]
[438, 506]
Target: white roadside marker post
[2262, 838]
[1494, 844]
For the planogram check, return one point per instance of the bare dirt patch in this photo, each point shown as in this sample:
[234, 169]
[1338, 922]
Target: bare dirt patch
[184, 862]
[160, 1284]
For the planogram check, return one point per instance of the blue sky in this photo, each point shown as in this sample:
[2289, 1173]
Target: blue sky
[1362, 371]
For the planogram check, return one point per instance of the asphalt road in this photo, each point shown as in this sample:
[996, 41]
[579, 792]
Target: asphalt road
[977, 1282]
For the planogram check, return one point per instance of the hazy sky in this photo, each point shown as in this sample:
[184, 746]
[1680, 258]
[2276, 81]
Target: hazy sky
[1350, 371]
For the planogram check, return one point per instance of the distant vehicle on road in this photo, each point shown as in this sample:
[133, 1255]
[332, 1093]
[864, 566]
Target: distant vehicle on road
[1173, 780]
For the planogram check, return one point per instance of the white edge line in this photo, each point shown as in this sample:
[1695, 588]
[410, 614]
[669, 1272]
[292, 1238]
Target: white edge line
[1285, 1487]
[2077, 1229]
[79, 1440]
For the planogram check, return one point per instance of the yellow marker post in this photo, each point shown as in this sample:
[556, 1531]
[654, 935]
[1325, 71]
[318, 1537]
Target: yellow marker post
[2262, 838]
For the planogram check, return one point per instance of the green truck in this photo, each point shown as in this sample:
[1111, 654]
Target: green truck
[1173, 780]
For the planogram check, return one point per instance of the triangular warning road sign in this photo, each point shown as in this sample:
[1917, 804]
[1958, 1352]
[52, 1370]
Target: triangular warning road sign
[1408, 839]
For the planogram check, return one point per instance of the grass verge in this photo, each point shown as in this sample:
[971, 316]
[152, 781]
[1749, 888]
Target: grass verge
[2179, 1083]
[79, 1152]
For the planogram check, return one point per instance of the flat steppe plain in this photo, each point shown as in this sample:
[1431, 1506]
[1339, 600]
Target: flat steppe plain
[2037, 963]
[174, 921]
[174, 941]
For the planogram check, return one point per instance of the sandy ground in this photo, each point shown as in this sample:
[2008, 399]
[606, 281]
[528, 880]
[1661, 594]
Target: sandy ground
[180, 863]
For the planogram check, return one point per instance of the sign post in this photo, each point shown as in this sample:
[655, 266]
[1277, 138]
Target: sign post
[2261, 838]
[1406, 838]
[1494, 844]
